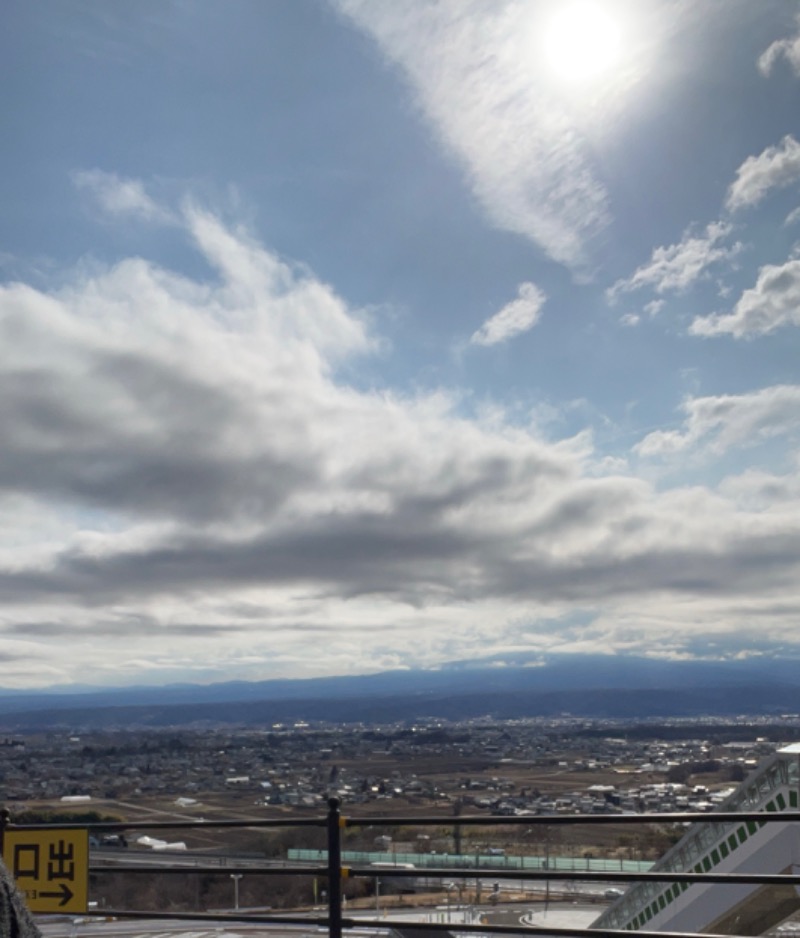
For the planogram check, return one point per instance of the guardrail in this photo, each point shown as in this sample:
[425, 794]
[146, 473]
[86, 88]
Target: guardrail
[334, 870]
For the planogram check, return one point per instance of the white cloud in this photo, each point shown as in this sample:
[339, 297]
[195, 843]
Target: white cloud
[714, 425]
[188, 482]
[301, 312]
[515, 317]
[479, 83]
[793, 217]
[117, 196]
[788, 49]
[773, 168]
[677, 267]
[764, 491]
[773, 302]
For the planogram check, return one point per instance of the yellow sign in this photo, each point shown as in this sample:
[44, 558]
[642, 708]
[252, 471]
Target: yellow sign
[51, 868]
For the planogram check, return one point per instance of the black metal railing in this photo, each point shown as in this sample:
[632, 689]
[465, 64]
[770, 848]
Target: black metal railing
[334, 822]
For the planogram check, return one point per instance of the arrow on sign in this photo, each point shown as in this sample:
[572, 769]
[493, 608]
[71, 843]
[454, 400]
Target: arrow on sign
[65, 895]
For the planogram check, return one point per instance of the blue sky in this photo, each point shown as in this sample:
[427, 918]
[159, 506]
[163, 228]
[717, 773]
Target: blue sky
[342, 336]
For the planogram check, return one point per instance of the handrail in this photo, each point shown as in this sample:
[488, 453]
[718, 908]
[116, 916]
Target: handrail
[334, 870]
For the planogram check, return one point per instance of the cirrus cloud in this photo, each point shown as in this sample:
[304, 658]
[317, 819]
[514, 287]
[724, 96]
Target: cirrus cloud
[477, 82]
[118, 196]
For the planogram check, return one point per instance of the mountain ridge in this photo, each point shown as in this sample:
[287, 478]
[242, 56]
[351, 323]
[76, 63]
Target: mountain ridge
[583, 685]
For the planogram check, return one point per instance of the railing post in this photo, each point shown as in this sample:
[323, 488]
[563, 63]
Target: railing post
[5, 820]
[334, 870]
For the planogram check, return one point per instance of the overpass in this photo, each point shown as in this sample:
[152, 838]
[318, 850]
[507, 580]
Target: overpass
[733, 847]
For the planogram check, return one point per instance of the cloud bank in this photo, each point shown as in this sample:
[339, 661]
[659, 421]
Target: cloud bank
[190, 485]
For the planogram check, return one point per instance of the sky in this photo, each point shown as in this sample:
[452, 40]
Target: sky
[340, 336]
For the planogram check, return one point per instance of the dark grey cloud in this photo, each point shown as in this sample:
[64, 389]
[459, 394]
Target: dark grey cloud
[137, 436]
[580, 553]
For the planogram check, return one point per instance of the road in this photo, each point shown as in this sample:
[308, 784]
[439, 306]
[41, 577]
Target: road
[80, 927]
[557, 914]
[168, 928]
[591, 890]
[109, 856]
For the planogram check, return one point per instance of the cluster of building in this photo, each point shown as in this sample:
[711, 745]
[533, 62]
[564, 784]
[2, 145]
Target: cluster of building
[517, 767]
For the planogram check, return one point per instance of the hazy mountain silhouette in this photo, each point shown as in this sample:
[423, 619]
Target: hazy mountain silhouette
[579, 685]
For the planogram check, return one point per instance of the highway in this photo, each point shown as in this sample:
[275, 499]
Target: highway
[111, 856]
[183, 859]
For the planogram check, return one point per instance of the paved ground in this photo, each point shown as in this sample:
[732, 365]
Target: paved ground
[562, 916]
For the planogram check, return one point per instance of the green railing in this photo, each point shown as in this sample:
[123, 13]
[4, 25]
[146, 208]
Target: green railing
[490, 862]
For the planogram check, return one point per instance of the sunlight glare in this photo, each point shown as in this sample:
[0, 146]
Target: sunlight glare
[582, 41]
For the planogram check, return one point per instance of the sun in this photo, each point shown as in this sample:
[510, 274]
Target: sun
[582, 41]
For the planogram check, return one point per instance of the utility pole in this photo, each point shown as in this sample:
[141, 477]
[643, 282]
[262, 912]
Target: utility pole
[236, 877]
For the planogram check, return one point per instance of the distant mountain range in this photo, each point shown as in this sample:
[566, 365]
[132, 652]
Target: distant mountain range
[591, 686]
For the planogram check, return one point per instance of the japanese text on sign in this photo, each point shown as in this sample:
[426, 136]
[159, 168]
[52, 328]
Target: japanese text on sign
[50, 868]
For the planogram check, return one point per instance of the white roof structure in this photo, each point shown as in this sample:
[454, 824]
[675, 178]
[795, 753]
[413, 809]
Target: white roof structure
[746, 846]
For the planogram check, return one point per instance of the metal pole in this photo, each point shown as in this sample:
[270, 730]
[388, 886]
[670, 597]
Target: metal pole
[5, 820]
[236, 877]
[335, 822]
[547, 864]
